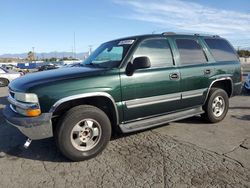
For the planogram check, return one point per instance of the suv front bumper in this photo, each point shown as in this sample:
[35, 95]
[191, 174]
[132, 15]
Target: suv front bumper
[35, 128]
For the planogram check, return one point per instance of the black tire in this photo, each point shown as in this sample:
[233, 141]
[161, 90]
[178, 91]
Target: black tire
[64, 132]
[210, 115]
[3, 82]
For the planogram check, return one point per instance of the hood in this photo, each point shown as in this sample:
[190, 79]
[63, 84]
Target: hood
[31, 80]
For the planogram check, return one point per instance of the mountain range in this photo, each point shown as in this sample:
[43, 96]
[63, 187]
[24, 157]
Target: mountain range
[46, 55]
[54, 54]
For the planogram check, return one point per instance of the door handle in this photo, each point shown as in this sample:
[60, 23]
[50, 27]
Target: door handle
[207, 71]
[174, 76]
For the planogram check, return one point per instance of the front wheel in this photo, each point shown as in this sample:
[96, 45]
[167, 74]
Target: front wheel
[216, 106]
[83, 132]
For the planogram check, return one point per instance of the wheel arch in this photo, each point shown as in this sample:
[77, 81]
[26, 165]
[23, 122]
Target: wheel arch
[8, 81]
[225, 83]
[102, 100]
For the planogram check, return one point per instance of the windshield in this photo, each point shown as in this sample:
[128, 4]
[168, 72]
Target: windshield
[110, 54]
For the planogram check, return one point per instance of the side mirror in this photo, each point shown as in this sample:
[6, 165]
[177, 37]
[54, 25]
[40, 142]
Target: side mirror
[141, 63]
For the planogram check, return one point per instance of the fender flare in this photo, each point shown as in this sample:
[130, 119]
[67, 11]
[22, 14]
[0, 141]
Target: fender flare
[217, 80]
[86, 95]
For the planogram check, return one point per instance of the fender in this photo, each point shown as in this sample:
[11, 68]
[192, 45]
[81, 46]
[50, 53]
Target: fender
[86, 95]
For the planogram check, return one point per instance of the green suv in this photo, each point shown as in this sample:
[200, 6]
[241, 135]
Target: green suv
[126, 85]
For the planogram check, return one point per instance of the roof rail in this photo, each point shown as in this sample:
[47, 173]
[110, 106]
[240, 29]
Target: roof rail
[168, 33]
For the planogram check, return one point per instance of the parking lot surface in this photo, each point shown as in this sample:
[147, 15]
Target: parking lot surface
[188, 153]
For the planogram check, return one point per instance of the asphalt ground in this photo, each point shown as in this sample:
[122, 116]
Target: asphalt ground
[187, 153]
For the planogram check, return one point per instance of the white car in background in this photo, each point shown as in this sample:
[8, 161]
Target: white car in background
[7, 76]
[247, 82]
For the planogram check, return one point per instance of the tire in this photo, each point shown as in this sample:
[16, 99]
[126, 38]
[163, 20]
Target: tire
[3, 82]
[83, 132]
[216, 106]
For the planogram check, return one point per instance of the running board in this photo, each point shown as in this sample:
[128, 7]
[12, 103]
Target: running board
[159, 120]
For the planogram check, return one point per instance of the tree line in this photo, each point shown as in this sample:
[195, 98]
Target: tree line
[243, 53]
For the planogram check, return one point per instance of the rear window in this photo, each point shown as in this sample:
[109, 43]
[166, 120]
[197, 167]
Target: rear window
[190, 52]
[221, 50]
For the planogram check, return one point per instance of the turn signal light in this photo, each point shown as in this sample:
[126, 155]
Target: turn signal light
[33, 112]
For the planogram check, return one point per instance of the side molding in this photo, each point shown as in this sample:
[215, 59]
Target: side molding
[85, 95]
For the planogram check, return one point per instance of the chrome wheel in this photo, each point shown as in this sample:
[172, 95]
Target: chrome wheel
[218, 106]
[86, 134]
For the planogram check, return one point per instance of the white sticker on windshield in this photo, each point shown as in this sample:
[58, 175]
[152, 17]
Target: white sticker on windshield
[123, 42]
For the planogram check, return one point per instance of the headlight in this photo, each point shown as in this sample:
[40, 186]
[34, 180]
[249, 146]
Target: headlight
[26, 104]
[26, 97]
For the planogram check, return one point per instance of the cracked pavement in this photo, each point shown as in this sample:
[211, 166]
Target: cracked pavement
[187, 153]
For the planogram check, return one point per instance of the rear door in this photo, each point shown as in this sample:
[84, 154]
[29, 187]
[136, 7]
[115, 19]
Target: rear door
[194, 69]
[155, 90]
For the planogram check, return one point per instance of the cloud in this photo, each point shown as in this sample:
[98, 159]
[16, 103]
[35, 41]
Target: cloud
[189, 17]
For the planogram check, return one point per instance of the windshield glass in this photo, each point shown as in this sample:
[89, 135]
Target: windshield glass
[110, 54]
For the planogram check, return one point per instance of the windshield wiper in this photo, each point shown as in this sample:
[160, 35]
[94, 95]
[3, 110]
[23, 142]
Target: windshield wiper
[92, 65]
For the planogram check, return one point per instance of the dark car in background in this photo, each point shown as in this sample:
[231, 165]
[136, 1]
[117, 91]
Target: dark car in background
[47, 67]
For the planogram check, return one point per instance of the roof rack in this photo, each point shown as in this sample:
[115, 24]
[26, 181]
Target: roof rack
[168, 33]
[215, 36]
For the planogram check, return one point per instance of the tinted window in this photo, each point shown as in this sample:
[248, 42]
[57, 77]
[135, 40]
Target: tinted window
[221, 50]
[157, 50]
[190, 52]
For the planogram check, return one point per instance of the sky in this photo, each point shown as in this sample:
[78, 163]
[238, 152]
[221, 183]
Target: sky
[49, 25]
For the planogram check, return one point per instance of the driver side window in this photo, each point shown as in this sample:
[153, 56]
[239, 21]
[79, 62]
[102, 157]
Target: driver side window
[157, 50]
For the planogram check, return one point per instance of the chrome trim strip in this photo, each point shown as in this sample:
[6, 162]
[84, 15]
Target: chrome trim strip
[238, 83]
[86, 95]
[24, 106]
[220, 79]
[193, 93]
[12, 108]
[135, 103]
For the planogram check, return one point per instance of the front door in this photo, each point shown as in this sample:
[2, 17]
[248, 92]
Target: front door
[155, 90]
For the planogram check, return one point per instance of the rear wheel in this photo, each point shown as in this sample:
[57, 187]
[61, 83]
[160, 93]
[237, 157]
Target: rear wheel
[83, 132]
[3, 82]
[216, 106]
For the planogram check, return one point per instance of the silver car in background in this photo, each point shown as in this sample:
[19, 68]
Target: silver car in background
[7, 76]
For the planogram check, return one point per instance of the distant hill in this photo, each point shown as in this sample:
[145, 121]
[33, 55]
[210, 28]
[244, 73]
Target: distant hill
[46, 55]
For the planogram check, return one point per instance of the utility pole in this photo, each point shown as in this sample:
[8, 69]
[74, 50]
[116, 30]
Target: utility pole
[33, 50]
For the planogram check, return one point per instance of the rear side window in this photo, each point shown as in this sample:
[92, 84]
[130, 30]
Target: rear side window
[157, 50]
[221, 50]
[190, 52]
